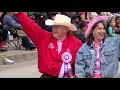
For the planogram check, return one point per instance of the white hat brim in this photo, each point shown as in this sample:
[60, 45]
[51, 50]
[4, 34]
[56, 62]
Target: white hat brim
[49, 22]
[71, 27]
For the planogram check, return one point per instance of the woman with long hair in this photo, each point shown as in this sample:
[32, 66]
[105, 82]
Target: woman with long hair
[99, 56]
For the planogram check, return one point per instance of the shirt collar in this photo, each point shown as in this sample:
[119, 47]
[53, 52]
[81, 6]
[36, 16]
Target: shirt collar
[100, 43]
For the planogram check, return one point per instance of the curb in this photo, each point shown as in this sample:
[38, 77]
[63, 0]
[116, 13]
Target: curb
[24, 56]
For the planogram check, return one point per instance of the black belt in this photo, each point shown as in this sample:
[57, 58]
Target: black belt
[48, 76]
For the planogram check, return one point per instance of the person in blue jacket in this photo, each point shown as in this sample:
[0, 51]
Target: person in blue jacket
[99, 56]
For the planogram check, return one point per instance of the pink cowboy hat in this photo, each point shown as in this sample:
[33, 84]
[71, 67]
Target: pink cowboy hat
[92, 22]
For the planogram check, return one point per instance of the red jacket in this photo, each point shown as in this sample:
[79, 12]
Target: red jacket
[49, 61]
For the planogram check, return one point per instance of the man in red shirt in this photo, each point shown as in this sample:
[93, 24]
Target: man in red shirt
[56, 50]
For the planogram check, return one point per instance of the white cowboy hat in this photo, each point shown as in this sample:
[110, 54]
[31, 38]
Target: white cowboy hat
[61, 20]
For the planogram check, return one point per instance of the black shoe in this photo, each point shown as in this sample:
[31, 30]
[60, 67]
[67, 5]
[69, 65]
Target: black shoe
[32, 48]
[26, 48]
[5, 49]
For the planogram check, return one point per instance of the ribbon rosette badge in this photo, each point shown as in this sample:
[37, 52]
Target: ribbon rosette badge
[66, 67]
[66, 57]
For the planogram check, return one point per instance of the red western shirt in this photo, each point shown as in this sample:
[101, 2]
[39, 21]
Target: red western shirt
[49, 61]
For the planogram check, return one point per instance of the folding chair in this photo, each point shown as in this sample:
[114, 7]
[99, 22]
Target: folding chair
[14, 42]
